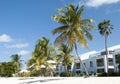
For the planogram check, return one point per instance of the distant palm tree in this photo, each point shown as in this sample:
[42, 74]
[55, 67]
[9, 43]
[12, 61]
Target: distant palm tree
[73, 28]
[17, 62]
[65, 56]
[105, 29]
[41, 54]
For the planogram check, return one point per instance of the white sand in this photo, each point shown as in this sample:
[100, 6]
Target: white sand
[61, 80]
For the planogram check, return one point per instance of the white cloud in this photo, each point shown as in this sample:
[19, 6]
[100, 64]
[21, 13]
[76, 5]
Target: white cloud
[5, 38]
[96, 3]
[23, 52]
[21, 45]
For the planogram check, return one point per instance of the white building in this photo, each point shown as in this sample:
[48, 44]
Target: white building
[95, 62]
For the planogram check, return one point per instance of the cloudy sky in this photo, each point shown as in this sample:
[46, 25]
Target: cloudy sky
[23, 22]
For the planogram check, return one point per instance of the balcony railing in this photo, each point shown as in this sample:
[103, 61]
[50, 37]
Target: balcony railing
[77, 67]
[110, 63]
[100, 64]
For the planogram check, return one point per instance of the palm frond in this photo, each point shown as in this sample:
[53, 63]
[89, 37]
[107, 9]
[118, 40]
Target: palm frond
[61, 38]
[80, 11]
[61, 10]
[71, 39]
[81, 39]
[59, 18]
[88, 35]
[60, 29]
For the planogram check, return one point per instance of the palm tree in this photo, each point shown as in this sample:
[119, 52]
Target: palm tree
[64, 56]
[41, 54]
[17, 62]
[73, 28]
[105, 29]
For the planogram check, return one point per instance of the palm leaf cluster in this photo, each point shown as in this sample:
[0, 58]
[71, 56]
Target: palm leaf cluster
[64, 56]
[73, 28]
[16, 59]
[105, 28]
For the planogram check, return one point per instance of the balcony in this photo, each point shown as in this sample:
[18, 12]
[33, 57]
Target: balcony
[78, 66]
[100, 62]
[110, 63]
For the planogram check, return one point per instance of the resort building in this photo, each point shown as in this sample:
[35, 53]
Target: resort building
[95, 62]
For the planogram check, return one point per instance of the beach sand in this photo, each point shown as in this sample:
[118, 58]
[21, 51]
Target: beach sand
[60, 80]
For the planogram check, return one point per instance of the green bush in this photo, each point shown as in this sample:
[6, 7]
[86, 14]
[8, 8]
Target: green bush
[35, 73]
[101, 74]
[24, 74]
[7, 69]
[108, 74]
[113, 74]
[67, 74]
[56, 74]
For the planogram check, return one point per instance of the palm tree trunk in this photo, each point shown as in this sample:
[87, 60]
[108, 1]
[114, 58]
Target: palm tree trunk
[106, 53]
[65, 68]
[87, 74]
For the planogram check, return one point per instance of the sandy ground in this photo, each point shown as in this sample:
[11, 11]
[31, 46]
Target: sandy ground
[61, 80]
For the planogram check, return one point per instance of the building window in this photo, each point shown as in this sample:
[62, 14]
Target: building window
[78, 71]
[69, 68]
[100, 62]
[91, 63]
[77, 65]
[103, 53]
[111, 52]
[110, 61]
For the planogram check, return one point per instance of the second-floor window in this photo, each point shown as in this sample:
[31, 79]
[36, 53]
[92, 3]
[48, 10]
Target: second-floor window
[100, 62]
[110, 61]
[77, 65]
[91, 63]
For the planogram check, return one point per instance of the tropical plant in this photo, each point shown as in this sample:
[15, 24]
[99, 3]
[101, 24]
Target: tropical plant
[40, 56]
[65, 56]
[105, 29]
[74, 29]
[7, 69]
[17, 62]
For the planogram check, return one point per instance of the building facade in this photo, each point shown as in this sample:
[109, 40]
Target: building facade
[95, 62]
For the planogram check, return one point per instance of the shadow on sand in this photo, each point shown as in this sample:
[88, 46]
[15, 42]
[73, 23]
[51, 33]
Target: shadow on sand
[44, 80]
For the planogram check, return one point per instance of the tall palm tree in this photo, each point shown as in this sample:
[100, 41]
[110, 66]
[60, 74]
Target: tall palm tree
[17, 62]
[65, 56]
[105, 29]
[73, 28]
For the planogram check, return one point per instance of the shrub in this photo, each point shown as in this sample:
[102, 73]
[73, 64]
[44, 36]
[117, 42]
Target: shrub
[67, 74]
[23, 74]
[35, 73]
[113, 74]
[56, 74]
[108, 74]
[101, 74]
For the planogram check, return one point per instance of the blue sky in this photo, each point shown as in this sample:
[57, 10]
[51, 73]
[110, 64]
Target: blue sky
[23, 22]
